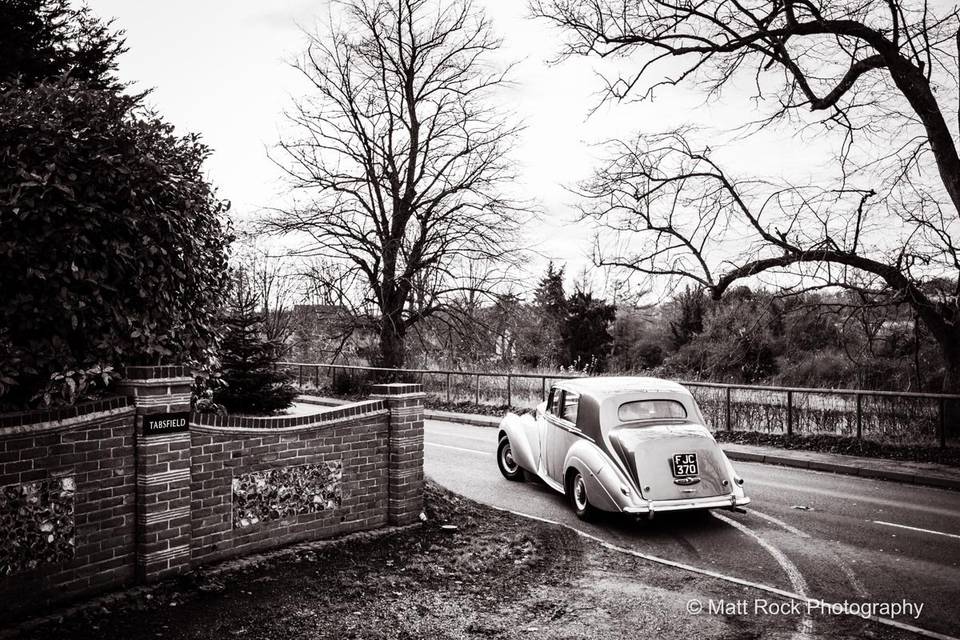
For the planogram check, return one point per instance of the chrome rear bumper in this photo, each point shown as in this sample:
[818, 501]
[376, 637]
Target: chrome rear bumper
[716, 502]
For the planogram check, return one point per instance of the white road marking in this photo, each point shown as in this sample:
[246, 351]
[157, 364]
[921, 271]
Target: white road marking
[847, 496]
[457, 437]
[780, 523]
[838, 561]
[850, 575]
[719, 576]
[448, 446]
[903, 526]
[796, 579]
[457, 434]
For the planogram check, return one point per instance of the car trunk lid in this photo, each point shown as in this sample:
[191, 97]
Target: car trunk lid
[648, 452]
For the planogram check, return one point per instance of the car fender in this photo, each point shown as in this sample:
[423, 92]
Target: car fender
[731, 472]
[602, 479]
[736, 480]
[522, 433]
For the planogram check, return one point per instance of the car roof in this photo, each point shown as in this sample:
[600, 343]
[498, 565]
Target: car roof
[609, 386]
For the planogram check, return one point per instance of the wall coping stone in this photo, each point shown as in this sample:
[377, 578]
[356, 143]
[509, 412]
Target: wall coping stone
[60, 416]
[284, 424]
[64, 425]
[397, 389]
[150, 373]
[154, 382]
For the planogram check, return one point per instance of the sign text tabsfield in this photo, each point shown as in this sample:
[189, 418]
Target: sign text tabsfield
[159, 423]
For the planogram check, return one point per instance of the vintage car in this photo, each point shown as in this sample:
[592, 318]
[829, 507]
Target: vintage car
[629, 445]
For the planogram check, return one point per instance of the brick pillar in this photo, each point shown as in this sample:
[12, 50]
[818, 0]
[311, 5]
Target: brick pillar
[405, 467]
[161, 396]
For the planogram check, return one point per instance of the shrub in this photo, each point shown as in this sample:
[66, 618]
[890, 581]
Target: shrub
[112, 243]
[345, 382]
[585, 331]
[250, 381]
[820, 369]
[647, 354]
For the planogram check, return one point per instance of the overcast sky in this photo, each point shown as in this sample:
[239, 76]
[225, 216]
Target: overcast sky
[219, 68]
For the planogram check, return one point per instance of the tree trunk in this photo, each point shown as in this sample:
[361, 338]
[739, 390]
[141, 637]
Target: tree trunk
[392, 337]
[951, 384]
[951, 363]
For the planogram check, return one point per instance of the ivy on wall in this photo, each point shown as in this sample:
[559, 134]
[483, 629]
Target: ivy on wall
[36, 524]
[286, 492]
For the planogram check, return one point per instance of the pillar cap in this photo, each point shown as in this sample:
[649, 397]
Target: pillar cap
[396, 389]
[154, 373]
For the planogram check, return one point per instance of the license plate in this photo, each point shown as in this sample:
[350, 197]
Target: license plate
[685, 465]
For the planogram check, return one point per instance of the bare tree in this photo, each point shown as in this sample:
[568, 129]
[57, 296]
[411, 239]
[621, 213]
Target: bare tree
[337, 318]
[400, 157]
[277, 288]
[878, 76]
[268, 277]
[460, 335]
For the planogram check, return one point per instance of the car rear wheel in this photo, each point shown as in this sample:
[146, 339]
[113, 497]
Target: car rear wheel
[508, 466]
[578, 497]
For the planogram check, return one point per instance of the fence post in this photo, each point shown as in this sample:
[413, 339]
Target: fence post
[727, 409]
[478, 390]
[789, 414]
[543, 388]
[301, 377]
[859, 416]
[448, 387]
[942, 424]
[316, 376]
[509, 391]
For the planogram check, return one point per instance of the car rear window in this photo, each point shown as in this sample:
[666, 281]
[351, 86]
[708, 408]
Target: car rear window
[651, 410]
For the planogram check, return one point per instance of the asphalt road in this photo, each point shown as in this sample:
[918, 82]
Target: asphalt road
[826, 536]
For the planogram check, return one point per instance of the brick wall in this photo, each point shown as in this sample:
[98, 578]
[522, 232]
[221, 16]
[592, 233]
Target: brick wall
[224, 448]
[94, 445]
[150, 502]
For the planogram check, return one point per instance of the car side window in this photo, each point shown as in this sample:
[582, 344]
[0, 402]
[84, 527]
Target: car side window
[571, 402]
[553, 402]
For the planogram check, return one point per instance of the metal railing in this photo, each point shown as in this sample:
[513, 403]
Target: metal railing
[888, 416]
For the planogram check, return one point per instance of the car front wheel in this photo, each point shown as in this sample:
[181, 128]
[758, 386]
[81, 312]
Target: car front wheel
[508, 466]
[578, 497]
